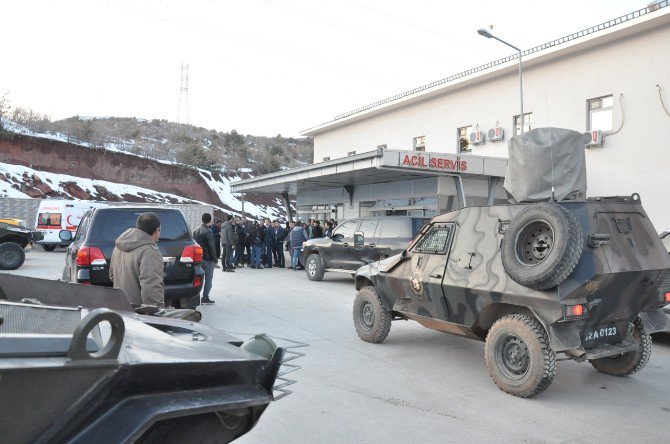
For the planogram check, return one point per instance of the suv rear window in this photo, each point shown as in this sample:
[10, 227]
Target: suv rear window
[110, 223]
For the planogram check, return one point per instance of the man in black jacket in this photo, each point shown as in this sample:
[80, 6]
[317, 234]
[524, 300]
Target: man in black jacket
[278, 250]
[241, 236]
[269, 243]
[257, 240]
[205, 238]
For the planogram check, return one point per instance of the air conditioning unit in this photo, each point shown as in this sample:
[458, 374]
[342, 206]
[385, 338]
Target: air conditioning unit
[477, 137]
[597, 139]
[326, 159]
[496, 134]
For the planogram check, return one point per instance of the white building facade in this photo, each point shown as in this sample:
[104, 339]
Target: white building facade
[614, 77]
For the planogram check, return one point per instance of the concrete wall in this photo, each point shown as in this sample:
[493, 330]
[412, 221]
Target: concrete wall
[636, 159]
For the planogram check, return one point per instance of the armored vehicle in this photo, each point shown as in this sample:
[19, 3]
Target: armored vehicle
[87, 374]
[569, 275]
[13, 241]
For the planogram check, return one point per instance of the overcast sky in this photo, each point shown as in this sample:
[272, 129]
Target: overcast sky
[262, 67]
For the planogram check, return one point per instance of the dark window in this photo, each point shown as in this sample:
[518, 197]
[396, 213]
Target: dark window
[368, 227]
[51, 219]
[109, 224]
[435, 241]
[346, 229]
[83, 227]
[392, 228]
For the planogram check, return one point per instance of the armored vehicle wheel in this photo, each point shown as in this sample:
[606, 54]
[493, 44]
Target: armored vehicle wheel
[49, 247]
[627, 363]
[11, 256]
[542, 246]
[519, 357]
[371, 319]
[314, 267]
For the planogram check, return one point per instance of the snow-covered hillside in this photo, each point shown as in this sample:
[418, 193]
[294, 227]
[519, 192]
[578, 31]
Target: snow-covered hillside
[18, 181]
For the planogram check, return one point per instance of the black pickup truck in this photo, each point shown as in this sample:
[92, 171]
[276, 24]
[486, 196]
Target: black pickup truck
[357, 242]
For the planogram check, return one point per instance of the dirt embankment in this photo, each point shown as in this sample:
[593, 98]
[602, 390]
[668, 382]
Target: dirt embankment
[94, 163]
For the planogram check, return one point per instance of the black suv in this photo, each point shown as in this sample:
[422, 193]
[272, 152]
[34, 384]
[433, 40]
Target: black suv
[357, 242]
[87, 258]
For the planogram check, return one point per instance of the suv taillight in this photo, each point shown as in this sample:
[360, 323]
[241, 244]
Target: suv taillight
[90, 256]
[191, 253]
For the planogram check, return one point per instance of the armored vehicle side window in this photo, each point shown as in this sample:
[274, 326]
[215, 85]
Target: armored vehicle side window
[392, 228]
[435, 241]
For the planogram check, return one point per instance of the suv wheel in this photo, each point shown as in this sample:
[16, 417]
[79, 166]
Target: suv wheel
[627, 363]
[542, 246]
[314, 267]
[11, 256]
[519, 357]
[371, 319]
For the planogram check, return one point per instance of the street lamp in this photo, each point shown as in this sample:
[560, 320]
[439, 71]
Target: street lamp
[488, 35]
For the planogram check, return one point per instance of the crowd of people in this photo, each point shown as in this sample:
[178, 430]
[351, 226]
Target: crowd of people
[136, 265]
[257, 244]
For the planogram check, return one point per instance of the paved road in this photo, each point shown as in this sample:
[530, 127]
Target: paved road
[419, 385]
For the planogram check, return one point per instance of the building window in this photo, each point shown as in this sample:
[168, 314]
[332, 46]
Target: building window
[527, 123]
[419, 143]
[600, 113]
[464, 139]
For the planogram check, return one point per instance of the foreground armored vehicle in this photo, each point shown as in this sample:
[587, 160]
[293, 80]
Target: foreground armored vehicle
[557, 273]
[86, 374]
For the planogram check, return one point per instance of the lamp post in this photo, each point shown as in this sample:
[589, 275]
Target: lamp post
[488, 35]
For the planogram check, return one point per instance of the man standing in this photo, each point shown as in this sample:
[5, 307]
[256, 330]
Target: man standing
[247, 241]
[239, 244]
[227, 242]
[278, 251]
[205, 238]
[136, 266]
[216, 230]
[298, 236]
[317, 231]
[269, 243]
[256, 240]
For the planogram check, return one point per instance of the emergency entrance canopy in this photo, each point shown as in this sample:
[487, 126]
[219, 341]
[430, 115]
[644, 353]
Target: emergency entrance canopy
[544, 158]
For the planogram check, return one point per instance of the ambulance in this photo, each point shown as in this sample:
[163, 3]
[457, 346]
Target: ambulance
[55, 215]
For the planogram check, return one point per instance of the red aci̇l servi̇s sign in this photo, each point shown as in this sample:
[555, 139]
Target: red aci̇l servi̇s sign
[433, 162]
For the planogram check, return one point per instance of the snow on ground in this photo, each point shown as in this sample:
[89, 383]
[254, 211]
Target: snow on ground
[15, 175]
[115, 146]
[222, 189]
[55, 181]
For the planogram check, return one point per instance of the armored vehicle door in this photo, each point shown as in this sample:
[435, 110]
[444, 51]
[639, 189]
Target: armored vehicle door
[429, 262]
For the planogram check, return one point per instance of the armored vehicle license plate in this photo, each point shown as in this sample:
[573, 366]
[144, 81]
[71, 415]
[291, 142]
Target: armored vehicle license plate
[602, 334]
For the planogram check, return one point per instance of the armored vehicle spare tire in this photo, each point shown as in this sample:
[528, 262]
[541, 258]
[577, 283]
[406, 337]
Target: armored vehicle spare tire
[627, 363]
[519, 357]
[542, 246]
[371, 319]
[11, 256]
